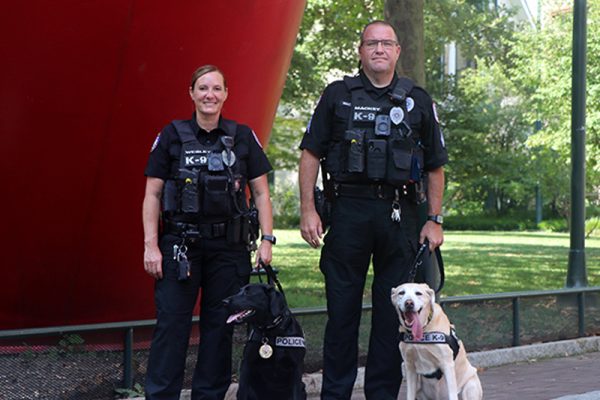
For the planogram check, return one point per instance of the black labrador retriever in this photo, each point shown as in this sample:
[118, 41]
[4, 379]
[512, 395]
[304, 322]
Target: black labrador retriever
[273, 359]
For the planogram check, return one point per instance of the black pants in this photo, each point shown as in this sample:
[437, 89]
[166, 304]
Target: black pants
[362, 228]
[219, 269]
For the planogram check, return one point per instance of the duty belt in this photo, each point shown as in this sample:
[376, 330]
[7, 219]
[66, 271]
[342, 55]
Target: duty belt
[207, 231]
[370, 191]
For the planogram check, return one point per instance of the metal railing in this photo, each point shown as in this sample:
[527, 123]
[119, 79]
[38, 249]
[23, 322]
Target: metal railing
[128, 327]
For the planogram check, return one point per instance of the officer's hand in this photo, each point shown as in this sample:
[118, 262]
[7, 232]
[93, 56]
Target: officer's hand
[153, 261]
[264, 253]
[434, 233]
[311, 228]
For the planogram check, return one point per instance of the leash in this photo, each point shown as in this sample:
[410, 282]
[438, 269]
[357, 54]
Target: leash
[271, 275]
[418, 261]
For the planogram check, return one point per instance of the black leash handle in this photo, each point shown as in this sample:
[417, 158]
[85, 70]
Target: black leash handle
[271, 276]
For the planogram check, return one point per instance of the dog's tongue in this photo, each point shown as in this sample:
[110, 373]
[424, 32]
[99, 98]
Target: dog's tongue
[233, 317]
[416, 328]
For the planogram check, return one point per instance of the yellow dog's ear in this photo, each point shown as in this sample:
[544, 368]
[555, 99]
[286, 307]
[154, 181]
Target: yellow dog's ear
[431, 294]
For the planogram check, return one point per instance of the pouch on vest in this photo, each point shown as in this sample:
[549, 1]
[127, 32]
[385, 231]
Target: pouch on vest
[216, 201]
[356, 154]
[234, 229]
[169, 196]
[376, 158]
[189, 195]
[399, 161]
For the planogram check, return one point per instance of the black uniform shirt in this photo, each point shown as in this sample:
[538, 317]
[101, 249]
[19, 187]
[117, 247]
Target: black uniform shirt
[166, 151]
[423, 119]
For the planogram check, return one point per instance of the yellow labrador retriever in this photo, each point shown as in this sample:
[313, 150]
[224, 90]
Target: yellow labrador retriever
[435, 361]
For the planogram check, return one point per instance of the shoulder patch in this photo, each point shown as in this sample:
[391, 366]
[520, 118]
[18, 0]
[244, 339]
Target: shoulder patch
[435, 114]
[308, 125]
[155, 142]
[256, 138]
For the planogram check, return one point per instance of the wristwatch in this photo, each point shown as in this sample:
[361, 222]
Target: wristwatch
[269, 238]
[438, 219]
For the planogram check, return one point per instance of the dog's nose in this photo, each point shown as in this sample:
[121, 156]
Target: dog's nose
[409, 304]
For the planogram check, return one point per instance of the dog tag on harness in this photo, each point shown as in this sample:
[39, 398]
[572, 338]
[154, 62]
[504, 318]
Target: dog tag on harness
[265, 351]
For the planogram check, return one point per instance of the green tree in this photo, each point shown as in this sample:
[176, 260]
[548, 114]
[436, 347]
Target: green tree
[542, 68]
[485, 126]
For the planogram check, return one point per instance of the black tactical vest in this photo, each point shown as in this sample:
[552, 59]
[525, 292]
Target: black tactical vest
[208, 186]
[372, 141]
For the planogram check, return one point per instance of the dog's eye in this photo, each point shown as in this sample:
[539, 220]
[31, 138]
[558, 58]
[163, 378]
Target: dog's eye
[419, 293]
[401, 293]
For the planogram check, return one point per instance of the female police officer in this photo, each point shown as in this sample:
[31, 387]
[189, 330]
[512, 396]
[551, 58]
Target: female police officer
[195, 191]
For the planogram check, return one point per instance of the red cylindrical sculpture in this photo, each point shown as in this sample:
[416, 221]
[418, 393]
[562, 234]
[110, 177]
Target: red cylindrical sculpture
[86, 86]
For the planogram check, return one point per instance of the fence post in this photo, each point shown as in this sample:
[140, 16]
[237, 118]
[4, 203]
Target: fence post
[516, 321]
[128, 359]
[581, 313]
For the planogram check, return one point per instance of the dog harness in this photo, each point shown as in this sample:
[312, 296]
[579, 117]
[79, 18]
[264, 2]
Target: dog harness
[434, 338]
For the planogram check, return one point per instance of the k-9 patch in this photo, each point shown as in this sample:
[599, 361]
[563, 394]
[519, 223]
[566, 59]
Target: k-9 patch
[365, 113]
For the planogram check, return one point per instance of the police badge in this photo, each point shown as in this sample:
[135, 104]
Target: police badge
[396, 115]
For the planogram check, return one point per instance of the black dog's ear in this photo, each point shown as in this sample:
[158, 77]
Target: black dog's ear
[276, 302]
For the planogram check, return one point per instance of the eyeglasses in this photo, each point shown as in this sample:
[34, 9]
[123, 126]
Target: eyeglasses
[386, 43]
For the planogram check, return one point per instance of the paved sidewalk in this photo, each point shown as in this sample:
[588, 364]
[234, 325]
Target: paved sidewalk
[567, 378]
[526, 372]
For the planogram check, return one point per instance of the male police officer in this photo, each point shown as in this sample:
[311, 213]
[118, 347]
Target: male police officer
[377, 137]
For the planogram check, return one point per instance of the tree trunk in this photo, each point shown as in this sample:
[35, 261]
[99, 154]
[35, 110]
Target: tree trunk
[406, 16]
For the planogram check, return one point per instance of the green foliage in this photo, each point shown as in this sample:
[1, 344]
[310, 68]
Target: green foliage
[327, 41]
[554, 225]
[286, 206]
[68, 344]
[487, 135]
[542, 68]
[479, 32]
[487, 223]
[592, 227]
[136, 391]
[71, 343]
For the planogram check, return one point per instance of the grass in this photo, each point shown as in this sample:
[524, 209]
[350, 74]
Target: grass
[475, 263]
